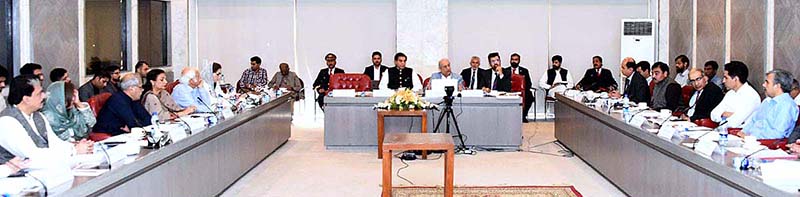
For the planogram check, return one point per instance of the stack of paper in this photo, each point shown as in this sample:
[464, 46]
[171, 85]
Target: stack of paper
[782, 174]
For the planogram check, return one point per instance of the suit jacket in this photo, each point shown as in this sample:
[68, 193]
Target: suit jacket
[125, 112]
[370, 70]
[672, 96]
[637, 89]
[503, 84]
[709, 99]
[323, 78]
[591, 81]
[466, 74]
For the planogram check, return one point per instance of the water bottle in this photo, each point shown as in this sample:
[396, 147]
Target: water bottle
[220, 108]
[723, 133]
[626, 113]
[154, 120]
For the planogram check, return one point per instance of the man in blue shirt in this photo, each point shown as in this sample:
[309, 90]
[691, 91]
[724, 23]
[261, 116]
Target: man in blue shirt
[123, 111]
[775, 118]
[189, 92]
[446, 73]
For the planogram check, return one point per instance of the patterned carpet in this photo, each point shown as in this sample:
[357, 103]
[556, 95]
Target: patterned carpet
[489, 191]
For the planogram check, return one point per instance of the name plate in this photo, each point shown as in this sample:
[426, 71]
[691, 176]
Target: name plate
[705, 148]
[666, 132]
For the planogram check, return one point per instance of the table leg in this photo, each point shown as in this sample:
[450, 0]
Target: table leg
[424, 129]
[380, 136]
[448, 173]
[387, 173]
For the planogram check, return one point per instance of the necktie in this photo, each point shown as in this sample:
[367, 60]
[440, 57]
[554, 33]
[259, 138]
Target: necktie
[514, 70]
[494, 83]
[598, 73]
[627, 81]
[472, 80]
[330, 72]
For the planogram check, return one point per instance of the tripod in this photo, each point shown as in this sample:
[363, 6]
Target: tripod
[447, 115]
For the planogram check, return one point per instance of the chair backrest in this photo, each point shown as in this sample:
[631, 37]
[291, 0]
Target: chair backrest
[171, 86]
[359, 82]
[706, 122]
[686, 93]
[426, 83]
[652, 86]
[98, 101]
[517, 83]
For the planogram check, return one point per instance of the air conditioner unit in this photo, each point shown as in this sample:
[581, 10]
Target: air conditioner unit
[638, 40]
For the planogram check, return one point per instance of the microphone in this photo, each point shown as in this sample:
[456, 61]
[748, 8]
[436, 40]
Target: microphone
[637, 113]
[24, 172]
[744, 164]
[207, 106]
[105, 153]
[694, 143]
[188, 128]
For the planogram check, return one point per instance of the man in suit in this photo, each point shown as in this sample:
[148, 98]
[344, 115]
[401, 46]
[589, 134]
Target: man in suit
[597, 78]
[446, 73]
[634, 84]
[515, 69]
[474, 75]
[705, 97]
[323, 78]
[556, 79]
[400, 76]
[498, 79]
[375, 71]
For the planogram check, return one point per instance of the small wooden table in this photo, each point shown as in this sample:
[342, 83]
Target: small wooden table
[400, 113]
[418, 141]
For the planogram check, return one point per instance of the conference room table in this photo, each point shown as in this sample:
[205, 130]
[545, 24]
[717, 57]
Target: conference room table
[204, 163]
[486, 122]
[640, 163]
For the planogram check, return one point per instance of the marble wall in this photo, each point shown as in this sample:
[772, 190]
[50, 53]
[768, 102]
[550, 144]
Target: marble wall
[422, 33]
[748, 38]
[710, 32]
[680, 29]
[787, 40]
[54, 35]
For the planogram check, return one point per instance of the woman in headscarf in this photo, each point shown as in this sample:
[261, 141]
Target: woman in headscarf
[157, 99]
[70, 118]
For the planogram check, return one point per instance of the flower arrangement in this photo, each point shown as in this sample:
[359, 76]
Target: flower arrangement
[404, 100]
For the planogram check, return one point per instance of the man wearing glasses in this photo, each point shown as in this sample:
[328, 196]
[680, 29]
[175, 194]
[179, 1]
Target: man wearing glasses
[706, 96]
[253, 78]
[127, 112]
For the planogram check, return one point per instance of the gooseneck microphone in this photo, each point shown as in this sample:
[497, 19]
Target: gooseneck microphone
[207, 106]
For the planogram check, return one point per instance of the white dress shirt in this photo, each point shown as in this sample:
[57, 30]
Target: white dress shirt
[692, 102]
[384, 84]
[376, 74]
[797, 100]
[649, 79]
[474, 80]
[558, 88]
[15, 139]
[741, 103]
[682, 78]
[2, 103]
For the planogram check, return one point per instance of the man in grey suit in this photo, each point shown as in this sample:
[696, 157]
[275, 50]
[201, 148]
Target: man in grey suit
[446, 73]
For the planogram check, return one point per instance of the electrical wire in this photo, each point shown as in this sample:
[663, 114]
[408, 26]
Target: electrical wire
[404, 167]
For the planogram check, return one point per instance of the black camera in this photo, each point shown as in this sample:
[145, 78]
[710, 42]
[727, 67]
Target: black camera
[448, 100]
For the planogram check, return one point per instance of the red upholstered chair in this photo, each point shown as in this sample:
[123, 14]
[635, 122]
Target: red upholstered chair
[171, 86]
[518, 85]
[359, 82]
[706, 122]
[652, 86]
[96, 103]
[426, 83]
[686, 93]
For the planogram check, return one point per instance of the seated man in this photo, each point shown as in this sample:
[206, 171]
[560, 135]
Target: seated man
[113, 82]
[286, 79]
[253, 78]
[741, 99]
[123, 110]
[556, 79]
[597, 78]
[634, 85]
[706, 96]
[795, 91]
[473, 75]
[497, 79]
[710, 70]
[59, 74]
[400, 76]
[446, 73]
[32, 69]
[643, 67]
[142, 68]
[376, 70]
[27, 133]
[188, 92]
[93, 87]
[666, 92]
[322, 82]
[775, 117]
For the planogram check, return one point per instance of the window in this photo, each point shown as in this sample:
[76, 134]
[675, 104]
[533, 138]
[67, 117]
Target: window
[153, 32]
[6, 39]
[105, 34]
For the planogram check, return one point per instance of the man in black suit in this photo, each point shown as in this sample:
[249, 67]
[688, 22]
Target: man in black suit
[324, 76]
[705, 97]
[634, 84]
[375, 70]
[497, 79]
[474, 75]
[597, 78]
[515, 69]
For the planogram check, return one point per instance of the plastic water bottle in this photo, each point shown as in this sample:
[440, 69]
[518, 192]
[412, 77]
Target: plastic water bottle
[220, 108]
[626, 113]
[154, 120]
[723, 133]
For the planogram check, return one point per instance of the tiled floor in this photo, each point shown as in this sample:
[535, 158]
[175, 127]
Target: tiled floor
[302, 167]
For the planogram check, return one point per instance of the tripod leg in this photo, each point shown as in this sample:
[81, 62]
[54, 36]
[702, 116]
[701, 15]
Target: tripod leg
[439, 122]
[458, 130]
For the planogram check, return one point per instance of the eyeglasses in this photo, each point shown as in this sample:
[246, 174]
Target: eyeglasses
[695, 79]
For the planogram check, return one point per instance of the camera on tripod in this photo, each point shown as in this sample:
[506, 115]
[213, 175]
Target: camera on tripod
[448, 100]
